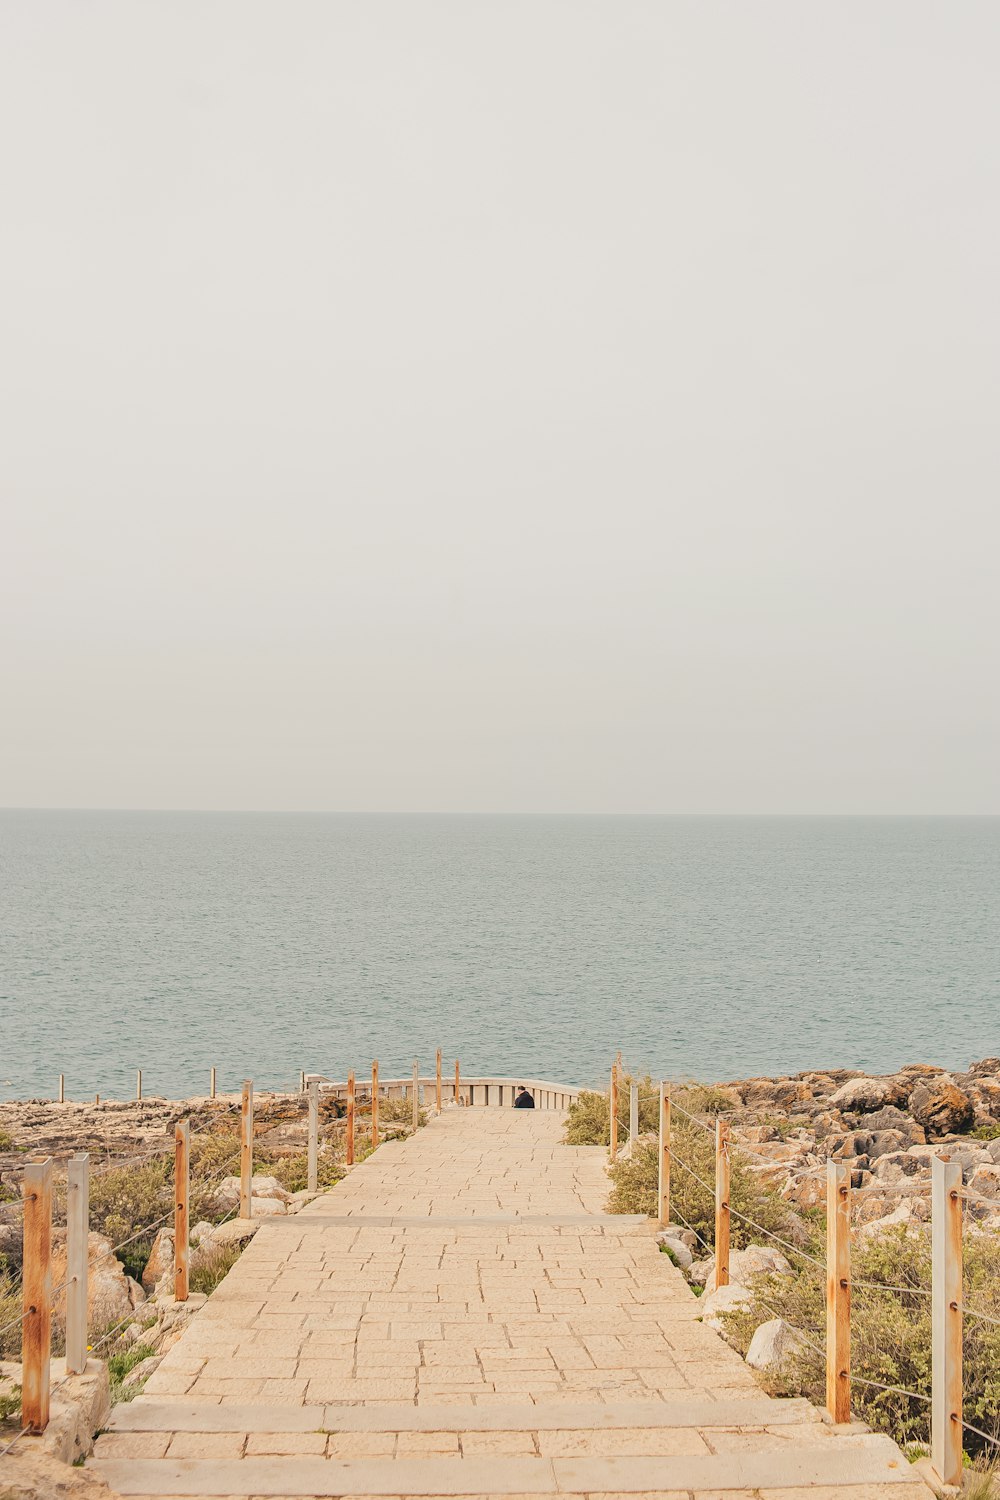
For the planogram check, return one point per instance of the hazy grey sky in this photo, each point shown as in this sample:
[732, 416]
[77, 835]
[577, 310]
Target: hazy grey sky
[526, 405]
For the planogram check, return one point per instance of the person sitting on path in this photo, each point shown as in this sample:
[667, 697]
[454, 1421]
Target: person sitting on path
[524, 1100]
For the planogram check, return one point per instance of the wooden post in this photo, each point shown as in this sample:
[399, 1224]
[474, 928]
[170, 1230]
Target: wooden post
[946, 1320]
[246, 1150]
[211, 1082]
[613, 1113]
[721, 1203]
[664, 1184]
[62, 1088]
[458, 1097]
[416, 1093]
[633, 1116]
[302, 1082]
[312, 1150]
[182, 1235]
[350, 1119]
[138, 1084]
[374, 1104]
[838, 1290]
[437, 1082]
[36, 1274]
[77, 1229]
[97, 1098]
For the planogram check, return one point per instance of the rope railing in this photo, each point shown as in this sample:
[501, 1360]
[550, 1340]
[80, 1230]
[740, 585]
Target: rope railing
[944, 1296]
[36, 1206]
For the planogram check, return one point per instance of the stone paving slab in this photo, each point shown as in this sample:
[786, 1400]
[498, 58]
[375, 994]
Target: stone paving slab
[877, 1461]
[146, 1416]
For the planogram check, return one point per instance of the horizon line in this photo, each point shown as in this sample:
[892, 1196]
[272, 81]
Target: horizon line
[328, 812]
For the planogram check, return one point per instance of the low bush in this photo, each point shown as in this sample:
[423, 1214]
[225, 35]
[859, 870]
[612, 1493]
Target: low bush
[6, 1140]
[10, 1317]
[209, 1269]
[890, 1332]
[121, 1362]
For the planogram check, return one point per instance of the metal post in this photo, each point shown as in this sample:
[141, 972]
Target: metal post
[77, 1230]
[437, 1082]
[62, 1088]
[664, 1174]
[36, 1341]
[374, 1104]
[458, 1097]
[138, 1084]
[721, 1203]
[946, 1320]
[211, 1082]
[349, 1156]
[416, 1093]
[613, 1108]
[838, 1291]
[182, 1236]
[633, 1116]
[312, 1157]
[246, 1150]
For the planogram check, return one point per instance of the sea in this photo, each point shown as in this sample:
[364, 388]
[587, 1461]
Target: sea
[266, 944]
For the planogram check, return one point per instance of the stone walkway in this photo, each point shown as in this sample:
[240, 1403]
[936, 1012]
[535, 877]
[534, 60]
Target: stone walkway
[460, 1317]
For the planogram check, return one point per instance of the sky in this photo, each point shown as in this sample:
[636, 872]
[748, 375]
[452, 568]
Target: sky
[540, 406]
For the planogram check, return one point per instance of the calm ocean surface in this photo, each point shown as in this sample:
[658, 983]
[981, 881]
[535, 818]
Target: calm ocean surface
[711, 947]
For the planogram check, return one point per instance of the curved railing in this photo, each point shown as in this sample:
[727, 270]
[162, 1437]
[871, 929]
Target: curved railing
[480, 1091]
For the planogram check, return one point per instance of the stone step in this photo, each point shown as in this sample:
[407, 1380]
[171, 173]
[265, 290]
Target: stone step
[148, 1415]
[839, 1461]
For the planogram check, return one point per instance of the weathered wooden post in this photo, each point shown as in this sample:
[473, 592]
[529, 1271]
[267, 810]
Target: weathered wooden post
[246, 1150]
[374, 1104]
[838, 1291]
[437, 1082]
[36, 1274]
[62, 1088]
[302, 1082]
[182, 1184]
[349, 1157]
[946, 1320]
[458, 1097]
[664, 1183]
[211, 1082]
[77, 1229]
[416, 1093]
[138, 1084]
[721, 1203]
[613, 1109]
[312, 1145]
[633, 1116]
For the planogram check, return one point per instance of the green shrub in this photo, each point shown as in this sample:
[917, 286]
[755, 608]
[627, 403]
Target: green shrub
[398, 1111]
[6, 1140]
[987, 1132]
[692, 1202]
[209, 1269]
[127, 1199]
[121, 1362]
[10, 1312]
[588, 1119]
[890, 1331]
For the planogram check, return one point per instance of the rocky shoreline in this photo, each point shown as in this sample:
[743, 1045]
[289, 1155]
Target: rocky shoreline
[886, 1128]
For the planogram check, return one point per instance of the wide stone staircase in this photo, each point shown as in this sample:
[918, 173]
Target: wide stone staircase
[461, 1317]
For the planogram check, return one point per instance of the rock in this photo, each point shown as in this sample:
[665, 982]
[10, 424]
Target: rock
[226, 1197]
[755, 1260]
[26, 1474]
[897, 1166]
[141, 1372]
[678, 1250]
[892, 1118]
[699, 1271]
[268, 1187]
[731, 1298]
[264, 1208]
[111, 1295]
[772, 1345]
[234, 1232]
[941, 1107]
[161, 1259]
[863, 1095]
[986, 1180]
[203, 1230]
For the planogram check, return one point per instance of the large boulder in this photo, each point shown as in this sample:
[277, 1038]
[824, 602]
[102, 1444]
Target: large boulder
[226, 1197]
[864, 1095]
[941, 1107]
[731, 1298]
[772, 1345]
[161, 1259]
[755, 1260]
[111, 1295]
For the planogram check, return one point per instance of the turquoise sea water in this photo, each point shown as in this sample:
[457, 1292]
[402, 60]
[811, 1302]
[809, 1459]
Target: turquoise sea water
[705, 946]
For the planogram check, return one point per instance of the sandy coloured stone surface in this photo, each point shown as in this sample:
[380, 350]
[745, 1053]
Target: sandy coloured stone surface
[433, 1326]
